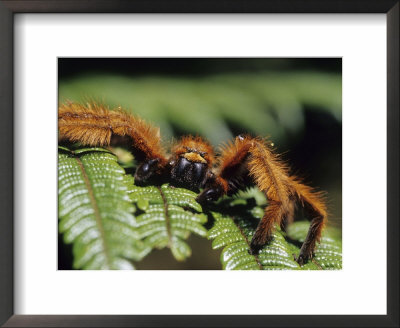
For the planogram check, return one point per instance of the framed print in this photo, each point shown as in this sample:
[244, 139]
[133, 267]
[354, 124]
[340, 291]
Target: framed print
[204, 113]
[111, 81]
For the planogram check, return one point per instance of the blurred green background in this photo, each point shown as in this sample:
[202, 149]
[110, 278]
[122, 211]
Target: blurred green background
[297, 102]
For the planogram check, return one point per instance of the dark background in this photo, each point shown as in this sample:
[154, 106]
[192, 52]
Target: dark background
[75, 67]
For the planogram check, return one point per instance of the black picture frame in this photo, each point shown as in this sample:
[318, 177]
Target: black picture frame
[7, 11]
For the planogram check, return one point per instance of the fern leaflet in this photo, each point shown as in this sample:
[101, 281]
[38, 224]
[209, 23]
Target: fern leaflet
[95, 212]
[168, 217]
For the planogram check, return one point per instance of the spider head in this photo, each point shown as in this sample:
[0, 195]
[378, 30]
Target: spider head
[189, 170]
[192, 159]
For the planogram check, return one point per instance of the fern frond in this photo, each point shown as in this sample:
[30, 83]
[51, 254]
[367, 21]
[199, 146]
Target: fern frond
[95, 212]
[168, 217]
[233, 230]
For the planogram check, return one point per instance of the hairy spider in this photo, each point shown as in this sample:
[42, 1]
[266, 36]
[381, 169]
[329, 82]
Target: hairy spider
[192, 164]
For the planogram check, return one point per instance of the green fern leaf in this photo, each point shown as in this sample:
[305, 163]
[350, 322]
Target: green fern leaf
[95, 212]
[168, 217]
[234, 229]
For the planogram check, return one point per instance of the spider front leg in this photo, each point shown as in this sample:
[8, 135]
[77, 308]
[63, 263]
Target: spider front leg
[96, 125]
[146, 170]
[214, 189]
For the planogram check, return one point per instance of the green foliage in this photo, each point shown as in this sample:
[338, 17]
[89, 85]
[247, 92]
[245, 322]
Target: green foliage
[95, 211]
[168, 217]
[98, 200]
[260, 103]
[235, 225]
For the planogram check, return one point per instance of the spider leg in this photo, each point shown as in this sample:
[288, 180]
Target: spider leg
[232, 172]
[95, 125]
[215, 187]
[275, 214]
[288, 219]
[316, 209]
[283, 191]
[263, 234]
[249, 157]
[247, 160]
[146, 170]
[252, 157]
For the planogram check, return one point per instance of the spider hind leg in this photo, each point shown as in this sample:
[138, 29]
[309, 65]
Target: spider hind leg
[275, 214]
[249, 157]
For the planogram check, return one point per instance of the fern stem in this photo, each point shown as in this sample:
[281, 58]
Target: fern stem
[248, 243]
[95, 208]
[167, 221]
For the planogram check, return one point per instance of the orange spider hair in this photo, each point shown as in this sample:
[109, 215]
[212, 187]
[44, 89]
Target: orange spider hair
[249, 157]
[96, 125]
[195, 149]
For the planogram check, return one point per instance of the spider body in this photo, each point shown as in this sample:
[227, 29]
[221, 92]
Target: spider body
[193, 165]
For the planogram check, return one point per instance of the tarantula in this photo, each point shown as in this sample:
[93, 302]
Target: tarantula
[244, 161]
